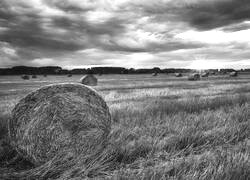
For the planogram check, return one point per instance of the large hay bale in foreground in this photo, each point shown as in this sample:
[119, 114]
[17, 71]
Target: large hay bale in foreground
[194, 77]
[89, 80]
[64, 117]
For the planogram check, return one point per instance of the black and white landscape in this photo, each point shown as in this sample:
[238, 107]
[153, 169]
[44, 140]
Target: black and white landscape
[124, 89]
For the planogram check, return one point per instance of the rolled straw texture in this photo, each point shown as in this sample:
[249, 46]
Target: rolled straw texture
[68, 117]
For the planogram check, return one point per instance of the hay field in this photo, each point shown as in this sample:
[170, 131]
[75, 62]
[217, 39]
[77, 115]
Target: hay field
[163, 127]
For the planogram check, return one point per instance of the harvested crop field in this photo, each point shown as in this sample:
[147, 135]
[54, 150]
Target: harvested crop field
[163, 127]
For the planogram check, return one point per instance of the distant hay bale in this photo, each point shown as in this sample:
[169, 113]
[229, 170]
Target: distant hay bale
[178, 75]
[194, 77]
[155, 74]
[33, 76]
[205, 74]
[25, 77]
[69, 75]
[63, 117]
[89, 80]
[45, 75]
[233, 74]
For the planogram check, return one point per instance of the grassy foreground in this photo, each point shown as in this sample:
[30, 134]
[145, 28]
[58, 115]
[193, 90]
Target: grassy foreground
[163, 128]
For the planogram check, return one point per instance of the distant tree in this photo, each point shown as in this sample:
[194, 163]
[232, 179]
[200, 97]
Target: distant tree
[78, 71]
[156, 69]
[131, 71]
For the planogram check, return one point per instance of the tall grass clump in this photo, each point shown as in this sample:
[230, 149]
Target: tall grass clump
[217, 164]
[171, 107]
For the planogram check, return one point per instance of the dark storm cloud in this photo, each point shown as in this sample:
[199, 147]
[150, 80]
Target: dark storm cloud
[151, 47]
[67, 6]
[24, 31]
[54, 29]
[201, 14]
[29, 34]
[213, 14]
[111, 27]
[236, 27]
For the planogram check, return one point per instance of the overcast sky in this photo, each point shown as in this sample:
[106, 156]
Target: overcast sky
[127, 33]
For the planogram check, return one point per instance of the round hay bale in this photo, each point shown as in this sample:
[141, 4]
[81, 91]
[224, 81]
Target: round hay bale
[69, 75]
[194, 77]
[233, 74]
[67, 117]
[212, 73]
[33, 76]
[205, 74]
[178, 75]
[89, 80]
[25, 77]
[155, 74]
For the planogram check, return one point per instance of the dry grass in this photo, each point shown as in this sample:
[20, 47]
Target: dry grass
[162, 129]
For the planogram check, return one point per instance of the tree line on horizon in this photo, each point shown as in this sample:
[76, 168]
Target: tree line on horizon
[56, 70]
